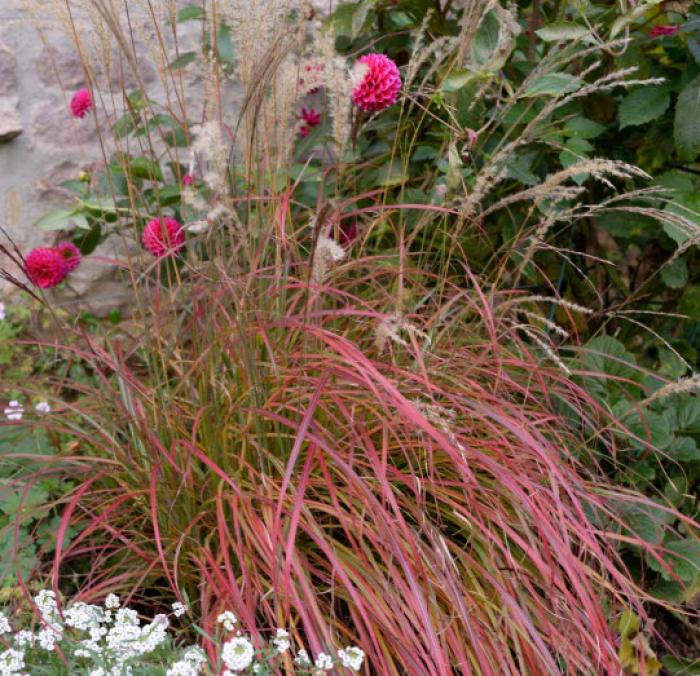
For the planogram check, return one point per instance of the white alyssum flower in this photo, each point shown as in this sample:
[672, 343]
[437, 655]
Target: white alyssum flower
[11, 661]
[47, 638]
[323, 662]
[46, 604]
[237, 653]
[228, 619]
[5, 627]
[2, 311]
[25, 639]
[43, 407]
[179, 609]
[352, 658]
[195, 655]
[281, 641]
[14, 411]
[112, 601]
[83, 616]
[302, 658]
[182, 668]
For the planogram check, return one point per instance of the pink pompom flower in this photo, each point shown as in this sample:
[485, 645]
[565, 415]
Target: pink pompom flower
[45, 268]
[380, 84]
[312, 118]
[71, 255]
[663, 31]
[81, 103]
[188, 179]
[163, 236]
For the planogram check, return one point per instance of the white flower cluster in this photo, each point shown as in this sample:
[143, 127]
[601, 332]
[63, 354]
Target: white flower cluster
[108, 638]
[111, 640]
[351, 658]
[237, 654]
[190, 665]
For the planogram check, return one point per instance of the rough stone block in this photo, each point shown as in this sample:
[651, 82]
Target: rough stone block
[10, 124]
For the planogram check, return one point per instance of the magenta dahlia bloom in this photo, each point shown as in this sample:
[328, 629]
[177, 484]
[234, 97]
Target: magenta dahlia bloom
[71, 255]
[163, 236]
[45, 268]
[663, 31]
[81, 103]
[312, 118]
[380, 84]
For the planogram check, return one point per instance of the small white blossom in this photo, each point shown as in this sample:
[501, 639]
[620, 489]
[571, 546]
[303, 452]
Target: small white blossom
[11, 661]
[323, 662]
[5, 627]
[112, 601]
[43, 407]
[195, 655]
[352, 658]
[182, 668]
[237, 653]
[83, 616]
[228, 619]
[25, 639]
[302, 658]
[179, 609]
[14, 411]
[47, 638]
[2, 311]
[281, 641]
[46, 604]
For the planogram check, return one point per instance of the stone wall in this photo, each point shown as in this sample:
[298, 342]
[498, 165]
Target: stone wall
[41, 145]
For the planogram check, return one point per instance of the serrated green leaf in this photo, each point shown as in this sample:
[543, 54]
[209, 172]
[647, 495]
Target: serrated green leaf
[581, 127]
[684, 558]
[553, 84]
[643, 105]
[686, 125]
[562, 30]
[607, 355]
[683, 449]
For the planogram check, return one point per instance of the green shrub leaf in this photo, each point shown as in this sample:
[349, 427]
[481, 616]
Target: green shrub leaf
[562, 30]
[686, 126]
[553, 84]
[643, 105]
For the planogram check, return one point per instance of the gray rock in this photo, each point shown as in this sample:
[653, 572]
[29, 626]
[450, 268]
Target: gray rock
[60, 66]
[53, 125]
[8, 73]
[10, 124]
[99, 285]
